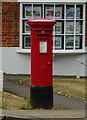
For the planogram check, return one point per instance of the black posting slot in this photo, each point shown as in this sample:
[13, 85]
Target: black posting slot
[42, 35]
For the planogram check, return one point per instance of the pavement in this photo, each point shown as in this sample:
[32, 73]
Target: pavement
[71, 107]
[40, 113]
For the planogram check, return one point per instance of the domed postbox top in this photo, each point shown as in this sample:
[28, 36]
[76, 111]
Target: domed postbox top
[41, 22]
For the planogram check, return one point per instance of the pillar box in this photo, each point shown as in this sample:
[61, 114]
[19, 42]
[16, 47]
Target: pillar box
[41, 90]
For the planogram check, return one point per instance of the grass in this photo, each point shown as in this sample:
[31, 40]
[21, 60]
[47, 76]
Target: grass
[0, 100]
[61, 85]
[10, 101]
[70, 87]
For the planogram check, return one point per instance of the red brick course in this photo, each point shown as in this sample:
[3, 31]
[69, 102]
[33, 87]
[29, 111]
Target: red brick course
[86, 27]
[10, 24]
[0, 24]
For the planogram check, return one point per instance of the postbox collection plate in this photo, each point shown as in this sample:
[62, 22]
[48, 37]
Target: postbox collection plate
[43, 46]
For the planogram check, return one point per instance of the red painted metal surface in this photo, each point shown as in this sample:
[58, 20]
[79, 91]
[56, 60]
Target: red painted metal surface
[41, 51]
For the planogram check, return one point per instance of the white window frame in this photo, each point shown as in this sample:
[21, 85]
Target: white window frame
[64, 49]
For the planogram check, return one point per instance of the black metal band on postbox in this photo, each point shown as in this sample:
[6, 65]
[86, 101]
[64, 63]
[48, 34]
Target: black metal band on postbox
[41, 97]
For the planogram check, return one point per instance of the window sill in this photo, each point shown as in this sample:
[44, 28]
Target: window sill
[28, 51]
[68, 51]
[23, 51]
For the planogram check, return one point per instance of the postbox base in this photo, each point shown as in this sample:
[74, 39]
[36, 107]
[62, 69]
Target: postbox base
[41, 97]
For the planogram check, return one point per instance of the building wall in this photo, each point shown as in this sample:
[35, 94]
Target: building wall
[0, 36]
[67, 65]
[10, 24]
[0, 58]
[0, 24]
[1, 73]
[15, 63]
[1, 81]
[86, 62]
[64, 65]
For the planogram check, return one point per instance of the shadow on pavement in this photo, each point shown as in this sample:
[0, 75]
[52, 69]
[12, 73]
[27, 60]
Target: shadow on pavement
[19, 118]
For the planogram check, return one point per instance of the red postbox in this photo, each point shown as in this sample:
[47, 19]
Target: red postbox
[41, 91]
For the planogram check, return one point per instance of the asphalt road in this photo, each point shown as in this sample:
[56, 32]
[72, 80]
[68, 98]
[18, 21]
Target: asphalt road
[59, 101]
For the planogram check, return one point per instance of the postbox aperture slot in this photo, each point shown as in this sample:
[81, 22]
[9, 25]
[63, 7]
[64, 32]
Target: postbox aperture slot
[42, 35]
[43, 46]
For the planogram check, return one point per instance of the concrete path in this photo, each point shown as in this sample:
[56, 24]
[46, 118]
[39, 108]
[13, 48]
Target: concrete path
[45, 114]
[60, 102]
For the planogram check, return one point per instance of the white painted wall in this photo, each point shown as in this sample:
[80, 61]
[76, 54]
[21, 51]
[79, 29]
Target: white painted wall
[14, 63]
[66, 65]
[86, 62]
[1, 73]
[86, 65]
[1, 80]
[63, 64]
[0, 58]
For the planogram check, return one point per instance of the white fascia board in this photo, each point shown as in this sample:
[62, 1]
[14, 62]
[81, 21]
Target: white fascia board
[52, 1]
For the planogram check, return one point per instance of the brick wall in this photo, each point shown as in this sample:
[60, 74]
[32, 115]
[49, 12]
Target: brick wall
[86, 27]
[0, 24]
[10, 24]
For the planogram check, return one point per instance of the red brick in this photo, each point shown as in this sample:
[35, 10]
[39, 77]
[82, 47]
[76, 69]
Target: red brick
[10, 24]
[0, 24]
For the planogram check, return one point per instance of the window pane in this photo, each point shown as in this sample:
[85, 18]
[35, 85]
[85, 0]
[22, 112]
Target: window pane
[79, 27]
[78, 42]
[69, 42]
[70, 12]
[26, 27]
[70, 27]
[26, 42]
[58, 28]
[79, 12]
[59, 12]
[36, 11]
[28, 11]
[59, 42]
[49, 11]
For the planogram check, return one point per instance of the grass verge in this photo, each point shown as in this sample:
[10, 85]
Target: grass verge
[61, 85]
[70, 87]
[10, 101]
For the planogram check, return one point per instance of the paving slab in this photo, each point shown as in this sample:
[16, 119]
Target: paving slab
[45, 113]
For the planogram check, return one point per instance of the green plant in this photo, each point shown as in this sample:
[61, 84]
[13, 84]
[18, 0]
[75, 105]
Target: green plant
[10, 101]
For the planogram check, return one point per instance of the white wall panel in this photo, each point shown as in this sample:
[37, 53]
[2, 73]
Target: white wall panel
[1, 73]
[63, 64]
[14, 63]
[1, 80]
[86, 66]
[66, 65]
[86, 63]
[0, 58]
